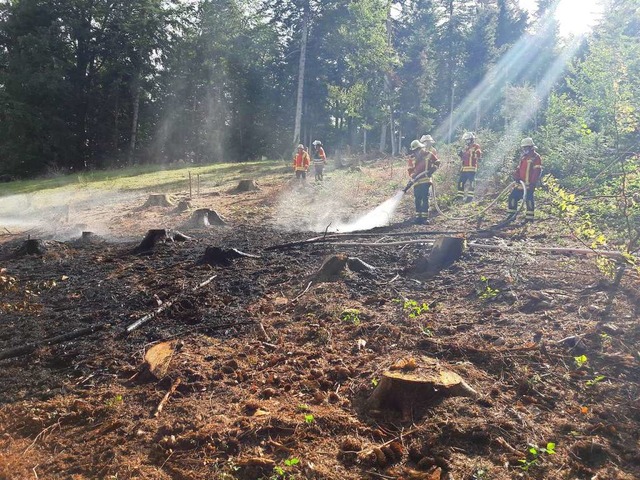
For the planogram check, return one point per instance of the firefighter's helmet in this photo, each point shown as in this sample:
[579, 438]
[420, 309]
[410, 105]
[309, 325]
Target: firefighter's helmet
[427, 139]
[527, 142]
[300, 146]
[416, 144]
[316, 143]
[468, 137]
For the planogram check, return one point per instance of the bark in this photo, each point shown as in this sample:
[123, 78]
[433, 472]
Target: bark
[301, 66]
[134, 117]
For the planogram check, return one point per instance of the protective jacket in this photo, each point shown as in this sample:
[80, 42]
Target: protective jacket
[529, 169]
[470, 158]
[425, 160]
[319, 157]
[301, 161]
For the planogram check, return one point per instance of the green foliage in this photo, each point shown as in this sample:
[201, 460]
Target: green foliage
[595, 380]
[114, 401]
[415, 309]
[351, 315]
[280, 473]
[534, 455]
[309, 418]
[580, 361]
[486, 292]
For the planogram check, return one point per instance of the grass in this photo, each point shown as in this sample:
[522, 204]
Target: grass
[140, 177]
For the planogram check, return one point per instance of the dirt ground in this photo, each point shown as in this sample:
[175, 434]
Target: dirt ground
[270, 367]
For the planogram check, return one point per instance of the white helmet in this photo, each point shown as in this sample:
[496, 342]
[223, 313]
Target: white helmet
[316, 142]
[468, 136]
[416, 144]
[527, 142]
[300, 146]
[427, 139]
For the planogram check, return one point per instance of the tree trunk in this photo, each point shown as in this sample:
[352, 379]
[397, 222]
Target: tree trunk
[383, 137]
[301, 65]
[134, 117]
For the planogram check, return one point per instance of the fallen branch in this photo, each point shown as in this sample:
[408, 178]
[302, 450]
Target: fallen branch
[558, 250]
[386, 244]
[149, 316]
[164, 400]
[30, 347]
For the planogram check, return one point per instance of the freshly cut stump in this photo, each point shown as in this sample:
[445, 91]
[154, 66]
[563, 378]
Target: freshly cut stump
[247, 186]
[205, 217]
[158, 357]
[159, 200]
[413, 389]
[159, 235]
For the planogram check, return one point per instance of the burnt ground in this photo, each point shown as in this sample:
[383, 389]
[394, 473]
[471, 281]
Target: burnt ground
[549, 343]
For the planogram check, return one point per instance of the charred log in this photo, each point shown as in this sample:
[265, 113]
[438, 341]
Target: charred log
[222, 256]
[205, 217]
[32, 246]
[159, 235]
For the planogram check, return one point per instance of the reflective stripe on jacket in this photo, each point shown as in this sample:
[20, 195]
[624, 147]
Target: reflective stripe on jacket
[471, 158]
[301, 161]
[425, 160]
[529, 169]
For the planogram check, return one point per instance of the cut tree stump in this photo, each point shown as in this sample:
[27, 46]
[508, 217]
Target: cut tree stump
[332, 268]
[247, 186]
[415, 385]
[205, 217]
[159, 200]
[158, 358]
[445, 251]
[222, 256]
[357, 265]
[159, 235]
[183, 206]
[32, 246]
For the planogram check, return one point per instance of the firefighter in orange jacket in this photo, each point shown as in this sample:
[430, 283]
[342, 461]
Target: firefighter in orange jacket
[424, 164]
[301, 163]
[319, 160]
[470, 156]
[529, 171]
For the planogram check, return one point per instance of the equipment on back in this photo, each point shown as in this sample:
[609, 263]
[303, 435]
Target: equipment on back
[427, 139]
[416, 144]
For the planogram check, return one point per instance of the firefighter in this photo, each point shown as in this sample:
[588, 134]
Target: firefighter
[301, 163]
[528, 171]
[319, 159]
[424, 163]
[470, 155]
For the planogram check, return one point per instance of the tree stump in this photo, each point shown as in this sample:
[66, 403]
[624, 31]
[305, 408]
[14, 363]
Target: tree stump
[247, 186]
[331, 268]
[32, 246]
[445, 251]
[222, 256]
[159, 200]
[159, 235]
[357, 265]
[158, 357]
[89, 237]
[415, 386]
[205, 217]
[183, 206]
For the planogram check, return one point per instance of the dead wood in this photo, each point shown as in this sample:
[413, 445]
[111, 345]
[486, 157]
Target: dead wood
[222, 256]
[445, 251]
[30, 347]
[331, 268]
[247, 186]
[138, 323]
[205, 217]
[183, 206]
[159, 200]
[158, 358]
[417, 384]
[159, 235]
[164, 400]
[32, 246]
[357, 265]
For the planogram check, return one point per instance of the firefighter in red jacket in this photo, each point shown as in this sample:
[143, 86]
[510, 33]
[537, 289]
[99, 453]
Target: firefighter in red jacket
[301, 163]
[528, 171]
[423, 164]
[470, 156]
[319, 159]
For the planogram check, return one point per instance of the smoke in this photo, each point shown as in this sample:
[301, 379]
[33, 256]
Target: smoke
[334, 206]
[61, 213]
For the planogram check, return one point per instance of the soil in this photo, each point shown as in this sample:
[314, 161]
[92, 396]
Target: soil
[270, 367]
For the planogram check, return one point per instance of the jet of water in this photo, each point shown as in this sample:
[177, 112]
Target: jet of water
[378, 217]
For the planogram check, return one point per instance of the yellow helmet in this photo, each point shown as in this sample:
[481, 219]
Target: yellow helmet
[527, 142]
[427, 139]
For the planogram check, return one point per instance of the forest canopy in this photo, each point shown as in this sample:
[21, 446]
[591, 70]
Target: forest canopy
[90, 84]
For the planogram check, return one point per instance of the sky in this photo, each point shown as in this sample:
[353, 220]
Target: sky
[576, 17]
